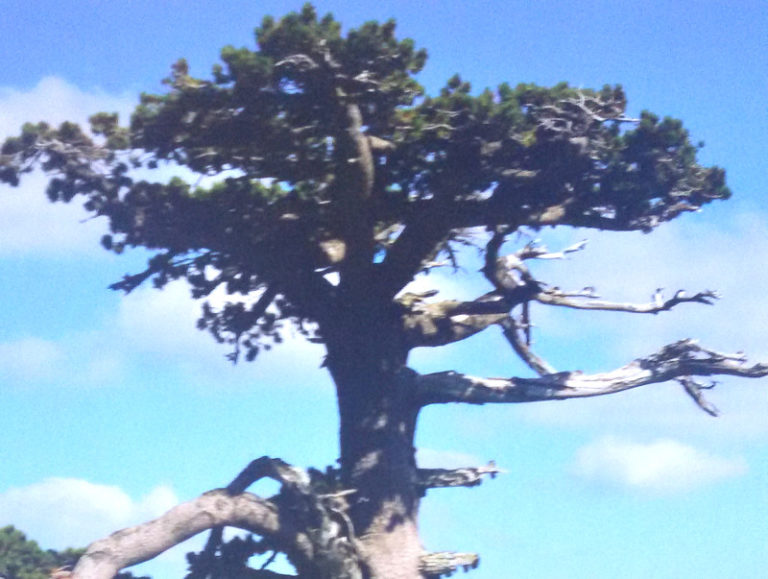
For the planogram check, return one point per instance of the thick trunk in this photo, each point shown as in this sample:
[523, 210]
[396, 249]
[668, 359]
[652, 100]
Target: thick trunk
[378, 418]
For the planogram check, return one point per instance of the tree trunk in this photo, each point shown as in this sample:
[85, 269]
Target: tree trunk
[378, 417]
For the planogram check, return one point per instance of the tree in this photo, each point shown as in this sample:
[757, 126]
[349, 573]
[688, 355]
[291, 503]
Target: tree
[22, 558]
[337, 183]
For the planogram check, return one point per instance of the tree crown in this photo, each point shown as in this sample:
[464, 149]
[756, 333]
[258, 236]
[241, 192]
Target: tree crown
[330, 158]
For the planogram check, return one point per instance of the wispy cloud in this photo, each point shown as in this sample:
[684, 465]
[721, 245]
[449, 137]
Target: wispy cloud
[69, 512]
[84, 511]
[29, 359]
[659, 467]
[79, 360]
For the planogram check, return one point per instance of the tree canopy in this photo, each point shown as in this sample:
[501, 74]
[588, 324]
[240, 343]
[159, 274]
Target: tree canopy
[315, 180]
[282, 124]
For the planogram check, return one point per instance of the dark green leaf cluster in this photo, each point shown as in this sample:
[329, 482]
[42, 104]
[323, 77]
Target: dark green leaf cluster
[227, 559]
[22, 558]
[330, 161]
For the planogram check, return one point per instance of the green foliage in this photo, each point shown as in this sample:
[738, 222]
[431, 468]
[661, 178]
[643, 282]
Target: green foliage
[22, 558]
[282, 125]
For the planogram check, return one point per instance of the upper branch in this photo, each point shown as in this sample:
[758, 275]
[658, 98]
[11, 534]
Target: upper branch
[551, 296]
[681, 359]
[445, 322]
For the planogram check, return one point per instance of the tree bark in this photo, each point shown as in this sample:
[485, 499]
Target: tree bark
[378, 411]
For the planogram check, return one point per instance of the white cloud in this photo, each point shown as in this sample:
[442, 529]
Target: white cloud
[662, 466]
[161, 324]
[54, 101]
[29, 223]
[82, 359]
[29, 359]
[68, 512]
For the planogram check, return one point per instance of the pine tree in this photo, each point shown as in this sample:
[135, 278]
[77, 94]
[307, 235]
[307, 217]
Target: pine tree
[338, 181]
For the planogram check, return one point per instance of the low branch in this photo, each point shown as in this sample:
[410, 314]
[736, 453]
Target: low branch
[555, 297]
[681, 359]
[435, 478]
[105, 557]
[311, 529]
[447, 563]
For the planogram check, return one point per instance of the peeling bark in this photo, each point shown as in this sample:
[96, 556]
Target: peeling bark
[681, 359]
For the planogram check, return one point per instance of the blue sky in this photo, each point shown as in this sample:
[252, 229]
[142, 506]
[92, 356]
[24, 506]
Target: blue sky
[113, 408]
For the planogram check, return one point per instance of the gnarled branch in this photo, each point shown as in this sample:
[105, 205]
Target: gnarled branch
[310, 528]
[681, 359]
[435, 478]
[105, 557]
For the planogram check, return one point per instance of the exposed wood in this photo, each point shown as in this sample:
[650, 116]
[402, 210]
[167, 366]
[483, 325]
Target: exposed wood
[681, 359]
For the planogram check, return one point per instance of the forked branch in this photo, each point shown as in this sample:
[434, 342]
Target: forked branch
[312, 529]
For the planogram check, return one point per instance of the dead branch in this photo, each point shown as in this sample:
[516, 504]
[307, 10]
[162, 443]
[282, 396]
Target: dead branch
[104, 558]
[522, 348]
[680, 359]
[433, 478]
[693, 389]
[311, 529]
[554, 297]
[446, 563]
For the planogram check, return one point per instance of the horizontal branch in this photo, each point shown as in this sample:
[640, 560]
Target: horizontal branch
[554, 297]
[683, 358]
[435, 478]
[447, 563]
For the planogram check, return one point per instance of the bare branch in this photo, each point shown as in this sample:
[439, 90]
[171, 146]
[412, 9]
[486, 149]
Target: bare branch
[105, 557]
[693, 389]
[537, 251]
[274, 468]
[681, 359]
[522, 348]
[555, 297]
[312, 529]
[448, 321]
[447, 563]
[433, 478]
